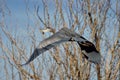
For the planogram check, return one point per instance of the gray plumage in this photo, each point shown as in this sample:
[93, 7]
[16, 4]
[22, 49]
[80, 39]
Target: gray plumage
[65, 35]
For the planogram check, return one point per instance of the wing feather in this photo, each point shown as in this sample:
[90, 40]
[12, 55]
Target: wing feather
[39, 51]
[61, 36]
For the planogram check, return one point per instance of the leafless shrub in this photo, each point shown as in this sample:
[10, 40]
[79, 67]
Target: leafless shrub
[97, 20]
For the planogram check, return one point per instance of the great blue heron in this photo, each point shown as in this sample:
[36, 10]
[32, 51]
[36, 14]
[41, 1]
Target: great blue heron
[65, 35]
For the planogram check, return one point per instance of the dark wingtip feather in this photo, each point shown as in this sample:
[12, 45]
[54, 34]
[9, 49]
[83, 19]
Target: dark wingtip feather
[32, 57]
[25, 63]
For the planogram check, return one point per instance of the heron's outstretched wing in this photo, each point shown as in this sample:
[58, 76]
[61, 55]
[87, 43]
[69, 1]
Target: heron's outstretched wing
[61, 36]
[38, 51]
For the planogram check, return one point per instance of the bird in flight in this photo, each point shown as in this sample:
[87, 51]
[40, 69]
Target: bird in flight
[66, 35]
